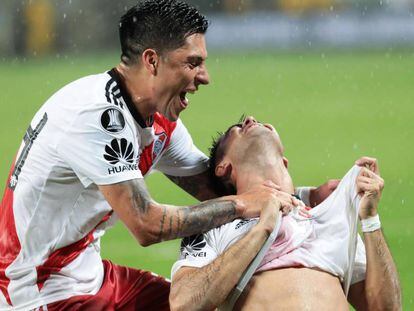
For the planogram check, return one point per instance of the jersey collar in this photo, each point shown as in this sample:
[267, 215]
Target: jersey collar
[128, 100]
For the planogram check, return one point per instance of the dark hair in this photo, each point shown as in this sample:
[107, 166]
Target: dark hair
[217, 152]
[159, 24]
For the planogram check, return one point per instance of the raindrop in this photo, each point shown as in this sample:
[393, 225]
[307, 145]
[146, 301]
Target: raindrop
[64, 15]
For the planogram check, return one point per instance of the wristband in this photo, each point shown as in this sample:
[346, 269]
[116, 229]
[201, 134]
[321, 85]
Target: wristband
[370, 224]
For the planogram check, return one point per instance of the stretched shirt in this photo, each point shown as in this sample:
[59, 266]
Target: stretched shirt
[326, 241]
[52, 214]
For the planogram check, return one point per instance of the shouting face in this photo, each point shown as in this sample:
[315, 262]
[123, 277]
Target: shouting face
[180, 72]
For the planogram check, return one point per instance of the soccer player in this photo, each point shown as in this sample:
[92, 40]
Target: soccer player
[312, 263]
[81, 166]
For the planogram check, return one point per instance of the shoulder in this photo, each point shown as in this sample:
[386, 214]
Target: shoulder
[85, 91]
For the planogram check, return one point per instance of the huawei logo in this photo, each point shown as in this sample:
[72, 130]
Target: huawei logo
[120, 150]
[193, 243]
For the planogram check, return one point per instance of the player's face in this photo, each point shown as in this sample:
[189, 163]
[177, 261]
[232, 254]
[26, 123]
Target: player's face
[251, 137]
[181, 71]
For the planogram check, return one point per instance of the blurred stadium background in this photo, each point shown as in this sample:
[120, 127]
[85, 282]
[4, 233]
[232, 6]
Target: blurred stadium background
[336, 77]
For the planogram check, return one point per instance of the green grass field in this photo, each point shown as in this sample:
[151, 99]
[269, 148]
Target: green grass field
[329, 108]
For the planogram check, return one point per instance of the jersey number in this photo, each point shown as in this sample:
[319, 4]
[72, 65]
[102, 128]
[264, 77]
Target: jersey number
[29, 138]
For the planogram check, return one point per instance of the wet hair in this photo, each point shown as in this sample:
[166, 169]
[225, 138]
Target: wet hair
[217, 151]
[221, 185]
[162, 25]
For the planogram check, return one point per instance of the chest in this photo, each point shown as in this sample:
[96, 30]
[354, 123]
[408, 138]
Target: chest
[154, 141]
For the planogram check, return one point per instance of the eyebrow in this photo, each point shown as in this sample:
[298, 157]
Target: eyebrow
[195, 59]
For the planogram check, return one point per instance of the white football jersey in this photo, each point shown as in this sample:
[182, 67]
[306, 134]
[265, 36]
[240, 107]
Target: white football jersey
[52, 213]
[326, 241]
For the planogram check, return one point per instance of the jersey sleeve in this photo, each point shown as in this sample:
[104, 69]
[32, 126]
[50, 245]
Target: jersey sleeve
[182, 157]
[304, 194]
[196, 251]
[360, 264]
[100, 146]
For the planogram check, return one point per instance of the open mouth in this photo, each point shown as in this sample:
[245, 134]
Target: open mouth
[183, 100]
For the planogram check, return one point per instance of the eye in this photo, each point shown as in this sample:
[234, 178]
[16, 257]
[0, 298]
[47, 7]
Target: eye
[193, 65]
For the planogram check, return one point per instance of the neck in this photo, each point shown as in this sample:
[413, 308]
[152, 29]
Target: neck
[138, 87]
[249, 177]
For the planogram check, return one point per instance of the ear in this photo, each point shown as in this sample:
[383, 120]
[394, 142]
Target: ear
[285, 162]
[223, 169]
[150, 60]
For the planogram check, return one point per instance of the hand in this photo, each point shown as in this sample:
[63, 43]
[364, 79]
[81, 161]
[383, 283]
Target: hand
[318, 195]
[265, 195]
[369, 163]
[369, 186]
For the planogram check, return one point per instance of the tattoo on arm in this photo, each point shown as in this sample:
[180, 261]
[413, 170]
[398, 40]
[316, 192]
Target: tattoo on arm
[176, 222]
[203, 217]
[199, 186]
[142, 198]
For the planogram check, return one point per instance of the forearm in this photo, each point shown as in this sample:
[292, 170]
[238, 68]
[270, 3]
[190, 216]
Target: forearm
[382, 286]
[151, 222]
[167, 222]
[211, 284]
[199, 186]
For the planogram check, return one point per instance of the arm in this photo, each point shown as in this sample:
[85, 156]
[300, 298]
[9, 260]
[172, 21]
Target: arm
[211, 284]
[381, 288]
[151, 222]
[199, 186]
[313, 196]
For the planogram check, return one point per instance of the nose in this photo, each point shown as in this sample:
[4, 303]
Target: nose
[248, 120]
[202, 76]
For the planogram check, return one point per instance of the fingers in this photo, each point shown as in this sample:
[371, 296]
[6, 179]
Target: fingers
[369, 174]
[370, 163]
[287, 201]
[369, 187]
[369, 181]
[303, 211]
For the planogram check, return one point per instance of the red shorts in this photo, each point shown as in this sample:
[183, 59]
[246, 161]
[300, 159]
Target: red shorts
[124, 289]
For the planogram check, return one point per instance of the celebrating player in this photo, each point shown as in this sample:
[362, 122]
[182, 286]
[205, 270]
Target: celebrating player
[313, 263]
[81, 166]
